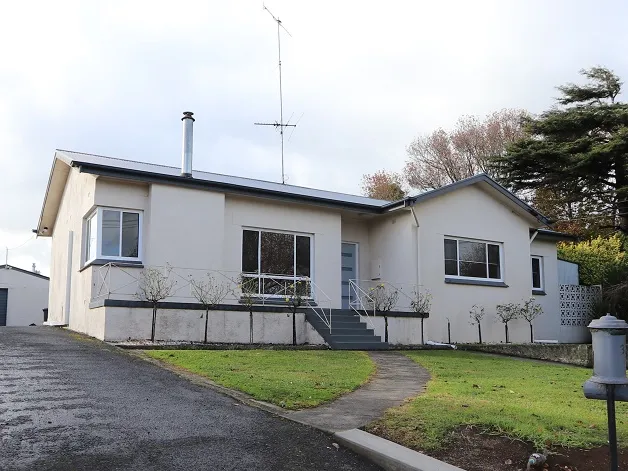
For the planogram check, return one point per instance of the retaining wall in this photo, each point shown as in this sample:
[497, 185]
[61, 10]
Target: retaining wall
[573, 354]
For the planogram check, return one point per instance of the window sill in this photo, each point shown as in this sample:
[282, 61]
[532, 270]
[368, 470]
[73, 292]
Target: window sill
[120, 263]
[539, 292]
[464, 281]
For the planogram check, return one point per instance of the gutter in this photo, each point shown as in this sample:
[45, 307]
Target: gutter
[418, 246]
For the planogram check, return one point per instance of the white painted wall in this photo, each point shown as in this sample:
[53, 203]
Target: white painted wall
[568, 273]
[356, 231]
[546, 326]
[76, 203]
[27, 297]
[471, 213]
[401, 330]
[224, 326]
[323, 224]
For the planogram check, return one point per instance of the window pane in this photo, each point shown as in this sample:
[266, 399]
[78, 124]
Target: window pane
[476, 270]
[130, 234]
[277, 253]
[451, 267]
[536, 273]
[303, 256]
[494, 271]
[111, 233]
[92, 232]
[493, 254]
[451, 249]
[250, 240]
[472, 252]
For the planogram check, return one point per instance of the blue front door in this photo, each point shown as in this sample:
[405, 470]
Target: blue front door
[349, 265]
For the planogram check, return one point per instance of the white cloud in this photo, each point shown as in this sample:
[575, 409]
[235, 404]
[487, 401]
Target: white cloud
[112, 78]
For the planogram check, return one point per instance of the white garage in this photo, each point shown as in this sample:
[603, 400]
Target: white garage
[23, 296]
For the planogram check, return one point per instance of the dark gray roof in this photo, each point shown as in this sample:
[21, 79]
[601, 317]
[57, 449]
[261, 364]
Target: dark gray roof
[21, 270]
[114, 167]
[86, 160]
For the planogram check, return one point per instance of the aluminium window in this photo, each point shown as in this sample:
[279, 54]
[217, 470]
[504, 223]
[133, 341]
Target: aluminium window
[537, 273]
[275, 262]
[114, 234]
[465, 258]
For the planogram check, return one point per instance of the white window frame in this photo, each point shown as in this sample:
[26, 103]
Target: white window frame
[98, 213]
[486, 242]
[260, 276]
[541, 273]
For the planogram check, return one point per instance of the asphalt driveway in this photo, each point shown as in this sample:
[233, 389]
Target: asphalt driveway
[71, 403]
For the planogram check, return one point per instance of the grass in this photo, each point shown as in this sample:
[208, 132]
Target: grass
[290, 379]
[531, 401]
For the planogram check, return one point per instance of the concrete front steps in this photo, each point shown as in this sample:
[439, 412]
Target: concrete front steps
[348, 332]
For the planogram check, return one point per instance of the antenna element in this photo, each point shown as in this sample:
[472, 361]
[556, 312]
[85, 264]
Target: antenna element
[279, 124]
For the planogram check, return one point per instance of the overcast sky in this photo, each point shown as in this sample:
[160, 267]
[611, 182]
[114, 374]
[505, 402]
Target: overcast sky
[113, 77]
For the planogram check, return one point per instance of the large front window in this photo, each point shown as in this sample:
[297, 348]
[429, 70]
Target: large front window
[113, 234]
[273, 263]
[473, 259]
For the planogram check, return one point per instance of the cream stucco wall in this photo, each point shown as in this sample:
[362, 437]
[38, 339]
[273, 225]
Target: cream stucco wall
[27, 297]
[76, 203]
[547, 326]
[471, 213]
[323, 224]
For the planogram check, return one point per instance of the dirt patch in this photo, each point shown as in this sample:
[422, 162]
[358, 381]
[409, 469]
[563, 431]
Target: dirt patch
[474, 451]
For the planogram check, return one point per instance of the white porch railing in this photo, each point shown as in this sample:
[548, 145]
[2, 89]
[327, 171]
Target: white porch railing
[115, 281]
[382, 296]
[359, 302]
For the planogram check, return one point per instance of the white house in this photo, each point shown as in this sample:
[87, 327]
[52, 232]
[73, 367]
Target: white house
[472, 242]
[23, 296]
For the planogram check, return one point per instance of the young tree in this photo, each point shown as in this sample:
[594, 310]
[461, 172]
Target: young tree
[529, 311]
[295, 298]
[444, 157]
[421, 304]
[247, 288]
[506, 313]
[383, 300]
[477, 314]
[383, 185]
[209, 292]
[155, 285]
[578, 148]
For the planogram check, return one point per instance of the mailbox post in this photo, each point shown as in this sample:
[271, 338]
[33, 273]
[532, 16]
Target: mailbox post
[609, 371]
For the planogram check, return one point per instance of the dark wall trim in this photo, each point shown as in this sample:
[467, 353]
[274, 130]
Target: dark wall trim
[410, 314]
[189, 306]
[462, 281]
[148, 177]
[119, 263]
[538, 292]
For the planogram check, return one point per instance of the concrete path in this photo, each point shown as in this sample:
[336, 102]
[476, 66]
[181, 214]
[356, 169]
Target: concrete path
[397, 378]
[72, 403]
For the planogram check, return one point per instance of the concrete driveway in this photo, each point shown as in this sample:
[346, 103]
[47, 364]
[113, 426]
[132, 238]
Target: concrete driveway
[70, 403]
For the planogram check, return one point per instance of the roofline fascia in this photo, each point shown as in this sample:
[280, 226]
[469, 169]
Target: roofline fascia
[149, 177]
[21, 270]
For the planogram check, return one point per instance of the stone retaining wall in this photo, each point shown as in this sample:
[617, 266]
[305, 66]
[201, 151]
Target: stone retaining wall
[573, 354]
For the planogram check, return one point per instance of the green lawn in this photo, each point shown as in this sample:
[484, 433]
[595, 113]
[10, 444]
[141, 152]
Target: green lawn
[292, 379]
[539, 402]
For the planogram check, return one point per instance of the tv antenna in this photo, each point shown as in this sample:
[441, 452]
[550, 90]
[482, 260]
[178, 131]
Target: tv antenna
[280, 125]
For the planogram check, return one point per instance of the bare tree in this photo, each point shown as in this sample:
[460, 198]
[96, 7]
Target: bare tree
[155, 285]
[421, 304]
[209, 292]
[383, 185]
[444, 157]
[529, 311]
[383, 300]
[477, 314]
[247, 291]
[297, 292]
[506, 313]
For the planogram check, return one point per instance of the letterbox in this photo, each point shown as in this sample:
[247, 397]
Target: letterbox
[609, 358]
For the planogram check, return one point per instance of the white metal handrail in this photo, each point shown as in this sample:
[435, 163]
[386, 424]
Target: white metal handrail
[322, 308]
[357, 303]
[408, 292]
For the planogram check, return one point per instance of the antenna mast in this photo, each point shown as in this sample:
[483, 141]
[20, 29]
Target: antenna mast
[279, 125]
